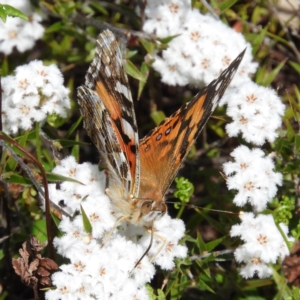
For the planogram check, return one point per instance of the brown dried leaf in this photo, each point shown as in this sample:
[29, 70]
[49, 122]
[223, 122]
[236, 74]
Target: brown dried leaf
[36, 245]
[43, 272]
[24, 252]
[45, 281]
[49, 264]
[18, 265]
[33, 265]
[291, 265]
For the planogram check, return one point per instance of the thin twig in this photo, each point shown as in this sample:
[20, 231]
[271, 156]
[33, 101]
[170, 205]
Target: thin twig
[215, 254]
[43, 194]
[213, 145]
[210, 9]
[101, 25]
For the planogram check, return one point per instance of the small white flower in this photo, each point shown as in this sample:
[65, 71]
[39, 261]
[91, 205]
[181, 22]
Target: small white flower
[165, 17]
[252, 175]
[19, 33]
[202, 49]
[34, 92]
[263, 244]
[256, 112]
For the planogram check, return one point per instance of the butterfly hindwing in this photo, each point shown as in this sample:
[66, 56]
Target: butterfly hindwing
[107, 109]
[164, 148]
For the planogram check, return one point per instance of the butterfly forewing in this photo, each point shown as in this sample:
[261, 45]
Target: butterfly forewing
[163, 149]
[107, 109]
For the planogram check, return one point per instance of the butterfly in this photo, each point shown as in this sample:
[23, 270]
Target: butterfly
[139, 172]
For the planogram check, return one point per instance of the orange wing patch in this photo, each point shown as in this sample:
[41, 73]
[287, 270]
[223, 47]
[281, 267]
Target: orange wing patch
[125, 135]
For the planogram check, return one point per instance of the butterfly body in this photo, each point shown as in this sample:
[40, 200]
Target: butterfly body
[139, 172]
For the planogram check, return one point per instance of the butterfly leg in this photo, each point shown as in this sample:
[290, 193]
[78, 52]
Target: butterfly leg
[112, 230]
[162, 245]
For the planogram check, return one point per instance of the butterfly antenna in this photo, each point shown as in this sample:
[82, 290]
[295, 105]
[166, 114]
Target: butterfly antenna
[205, 208]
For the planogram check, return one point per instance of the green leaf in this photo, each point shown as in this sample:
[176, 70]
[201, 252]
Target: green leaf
[226, 5]
[100, 8]
[267, 78]
[86, 222]
[4, 66]
[295, 66]
[213, 244]
[9, 11]
[160, 295]
[131, 54]
[200, 243]
[283, 289]
[132, 70]
[55, 120]
[69, 143]
[56, 220]
[145, 73]
[290, 131]
[4, 295]
[54, 27]
[202, 285]
[59, 178]
[257, 39]
[75, 149]
[149, 46]
[256, 283]
[17, 179]
[168, 39]
[22, 141]
[73, 127]
[39, 230]
[278, 38]
[297, 144]
[150, 291]
[157, 116]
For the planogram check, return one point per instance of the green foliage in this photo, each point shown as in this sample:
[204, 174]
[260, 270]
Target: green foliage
[296, 231]
[9, 11]
[283, 209]
[86, 222]
[185, 189]
[69, 42]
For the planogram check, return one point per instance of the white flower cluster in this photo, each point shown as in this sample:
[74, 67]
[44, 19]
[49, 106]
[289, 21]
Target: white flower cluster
[16, 32]
[107, 272]
[203, 48]
[34, 92]
[253, 176]
[263, 244]
[200, 49]
[256, 112]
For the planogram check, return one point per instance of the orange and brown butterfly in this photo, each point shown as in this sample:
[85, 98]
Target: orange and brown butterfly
[139, 173]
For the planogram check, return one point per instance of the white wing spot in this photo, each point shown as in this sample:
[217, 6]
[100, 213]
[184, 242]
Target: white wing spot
[218, 85]
[128, 130]
[122, 89]
[107, 71]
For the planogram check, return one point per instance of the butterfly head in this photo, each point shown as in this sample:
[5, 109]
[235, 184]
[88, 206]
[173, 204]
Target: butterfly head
[151, 210]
